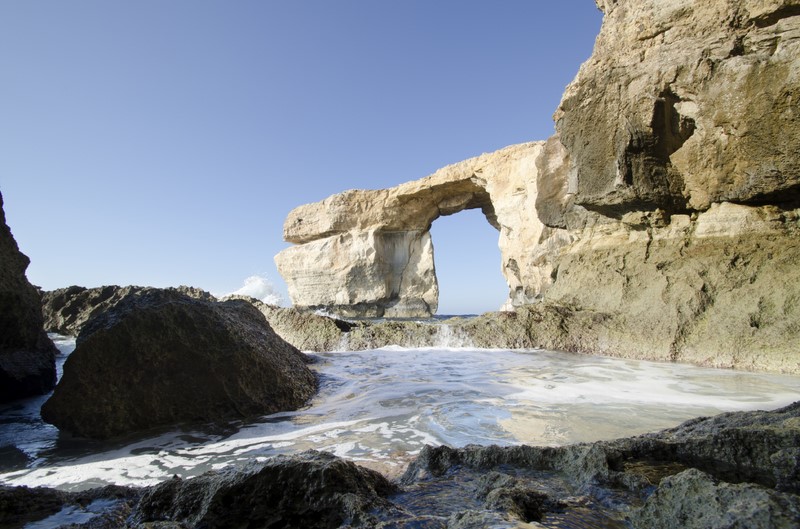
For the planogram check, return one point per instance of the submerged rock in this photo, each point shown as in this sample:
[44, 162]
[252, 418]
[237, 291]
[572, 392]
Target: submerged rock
[160, 357]
[27, 355]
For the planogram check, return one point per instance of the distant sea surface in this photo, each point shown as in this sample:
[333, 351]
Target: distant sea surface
[380, 407]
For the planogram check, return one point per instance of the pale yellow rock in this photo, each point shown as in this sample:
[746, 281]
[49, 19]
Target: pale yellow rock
[368, 253]
[685, 103]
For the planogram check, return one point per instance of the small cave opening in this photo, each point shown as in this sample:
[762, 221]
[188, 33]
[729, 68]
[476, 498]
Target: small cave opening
[468, 264]
[670, 128]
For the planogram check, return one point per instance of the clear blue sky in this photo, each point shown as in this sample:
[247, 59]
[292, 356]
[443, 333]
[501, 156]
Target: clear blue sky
[163, 142]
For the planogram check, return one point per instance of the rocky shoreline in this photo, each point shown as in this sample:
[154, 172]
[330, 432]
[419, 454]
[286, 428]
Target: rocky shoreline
[733, 470]
[546, 326]
[660, 222]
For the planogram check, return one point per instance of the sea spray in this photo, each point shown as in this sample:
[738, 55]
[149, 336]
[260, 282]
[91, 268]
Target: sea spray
[260, 288]
[344, 342]
[448, 337]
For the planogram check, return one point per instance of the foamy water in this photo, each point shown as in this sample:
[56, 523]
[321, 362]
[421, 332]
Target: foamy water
[381, 407]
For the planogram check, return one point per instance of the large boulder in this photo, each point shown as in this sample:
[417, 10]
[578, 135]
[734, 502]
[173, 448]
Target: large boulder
[66, 310]
[27, 355]
[160, 357]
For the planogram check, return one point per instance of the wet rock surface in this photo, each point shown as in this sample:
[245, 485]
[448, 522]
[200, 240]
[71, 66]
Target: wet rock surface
[27, 355]
[732, 470]
[102, 508]
[160, 357]
[312, 489]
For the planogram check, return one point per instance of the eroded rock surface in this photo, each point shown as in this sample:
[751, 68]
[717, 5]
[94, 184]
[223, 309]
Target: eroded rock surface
[369, 253]
[27, 355]
[67, 310]
[312, 489]
[160, 357]
[661, 221]
[732, 470]
[684, 104]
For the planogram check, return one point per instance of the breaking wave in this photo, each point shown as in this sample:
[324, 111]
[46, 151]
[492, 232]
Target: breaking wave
[260, 288]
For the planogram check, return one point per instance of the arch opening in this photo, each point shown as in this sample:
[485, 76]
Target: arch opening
[467, 264]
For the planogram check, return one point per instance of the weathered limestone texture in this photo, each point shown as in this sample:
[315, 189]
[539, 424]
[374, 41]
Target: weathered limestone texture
[27, 355]
[685, 103]
[369, 253]
[661, 221]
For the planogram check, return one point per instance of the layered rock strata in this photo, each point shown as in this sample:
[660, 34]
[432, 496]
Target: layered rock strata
[162, 358]
[27, 355]
[662, 219]
[733, 470]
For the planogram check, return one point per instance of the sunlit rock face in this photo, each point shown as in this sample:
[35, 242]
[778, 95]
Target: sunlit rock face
[369, 253]
[661, 221]
[685, 103]
[373, 273]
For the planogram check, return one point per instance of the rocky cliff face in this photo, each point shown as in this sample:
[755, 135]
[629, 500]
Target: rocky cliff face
[662, 219]
[686, 103]
[27, 356]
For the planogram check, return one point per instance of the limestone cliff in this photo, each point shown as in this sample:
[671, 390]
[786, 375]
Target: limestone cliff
[27, 356]
[661, 221]
[685, 103]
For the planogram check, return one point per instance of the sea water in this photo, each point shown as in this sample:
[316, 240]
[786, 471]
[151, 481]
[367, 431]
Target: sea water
[380, 407]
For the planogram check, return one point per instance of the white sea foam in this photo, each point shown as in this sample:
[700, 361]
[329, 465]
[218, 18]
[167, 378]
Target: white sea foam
[381, 407]
[260, 288]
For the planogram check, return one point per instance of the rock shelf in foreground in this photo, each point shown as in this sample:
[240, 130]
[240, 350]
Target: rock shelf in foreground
[737, 470]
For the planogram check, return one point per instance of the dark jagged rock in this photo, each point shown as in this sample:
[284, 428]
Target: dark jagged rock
[733, 470]
[102, 508]
[694, 499]
[66, 310]
[27, 355]
[160, 357]
[311, 490]
[681, 477]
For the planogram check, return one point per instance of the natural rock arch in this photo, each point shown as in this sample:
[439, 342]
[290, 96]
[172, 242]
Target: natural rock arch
[368, 253]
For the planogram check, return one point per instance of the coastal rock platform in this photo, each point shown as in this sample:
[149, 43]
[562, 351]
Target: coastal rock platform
[733, 470]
